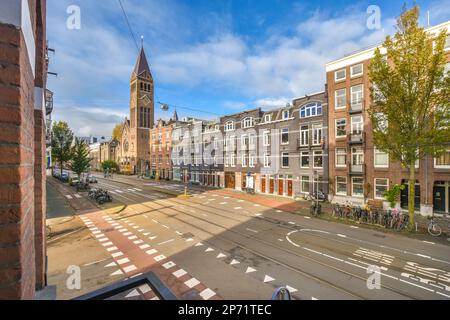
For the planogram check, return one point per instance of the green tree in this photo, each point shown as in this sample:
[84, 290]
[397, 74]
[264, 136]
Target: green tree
[80, 161]
[111, 165]
[410, 109]
[62, 139]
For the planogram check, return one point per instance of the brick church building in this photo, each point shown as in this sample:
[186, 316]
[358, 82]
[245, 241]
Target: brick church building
[134, 148]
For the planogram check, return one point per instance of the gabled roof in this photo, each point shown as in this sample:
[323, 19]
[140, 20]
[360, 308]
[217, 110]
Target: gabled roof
[142, 64]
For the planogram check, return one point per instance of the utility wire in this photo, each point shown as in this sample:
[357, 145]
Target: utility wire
[129, 25]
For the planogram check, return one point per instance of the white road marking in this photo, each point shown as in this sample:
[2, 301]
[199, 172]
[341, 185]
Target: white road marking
[123, 230]
[221, 255]
[209, 250]
[132, 237]
[107, 244]
[250, 270]
[103, 239]
[147, 233]
[306, 217]
[292, 223]
[312, 298]
[130, 268]
[342, 235]
[354, 227]
[127, 234]
[429, 242]
[145, 288]
[78, 196]
[123, 261]
[165, 242]
[291, 289]
[423, 256]
[152, 251]
[117, 254]
[207, 294]
[169, 265]
[237, 208]
[144, 246]
[159, 258]
[233, 262]
[153, 238]
[251, 230]
[268, 279]
[138, 241]
[223, 203]
[192, 283]
[101, 235]
[69, 197]
[112, 249]
[116, 273]
[199, 244]
[179, 273]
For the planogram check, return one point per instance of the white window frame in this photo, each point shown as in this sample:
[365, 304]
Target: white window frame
[310, 107]
[266, 138]
[247, 122]
[336, 75]
[336, 128]
[354, 75]
[283, 114]
[375, 152]
[358, 94]
[376, 185]
[304, 134]
[359, 154]
[232, 161]
[267, 161]
[244, 140]
[353, 189]
[305, 181]
[346, 186]
[336, 107]
[353, 124]
[441, 166]
[317, 140]
[283, 154]
[251, 140]
[251, 161]
[229, 126]
[244, 160]
[267, 118]
[282, 132]
[341, 154]
[305, 154]
[314, 156]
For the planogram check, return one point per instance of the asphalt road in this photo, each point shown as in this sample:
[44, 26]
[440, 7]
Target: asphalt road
[242, 250]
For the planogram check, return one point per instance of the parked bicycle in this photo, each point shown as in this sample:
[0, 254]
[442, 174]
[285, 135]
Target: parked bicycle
[100, 196]
[315, 209]
[433, 228]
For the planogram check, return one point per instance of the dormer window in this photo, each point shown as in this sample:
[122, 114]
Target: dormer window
[267, 118]
[311, 110]
[285, 114]
[229, 126]
[247, 123]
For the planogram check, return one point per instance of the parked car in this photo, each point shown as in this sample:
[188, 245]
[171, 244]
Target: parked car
[64, 177]
[73, 181]
[92, 179]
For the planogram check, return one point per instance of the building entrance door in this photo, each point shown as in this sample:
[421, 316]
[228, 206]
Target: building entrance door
[272, 186]
[404, 196]
[439, 197]
[280, 186]
[290, 189]
[263, 184]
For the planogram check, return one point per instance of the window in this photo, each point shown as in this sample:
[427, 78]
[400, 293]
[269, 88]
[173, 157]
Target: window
[357, 187]
[252, 140]
[318, 159]
[340, 75]
[305, 184]
[227, 162]
[341, 99]
[341, 157]
[357, 125]
[252, 161]
[341, 186]
[304, 160]
[217, 127]
[304, 136]
[381, 159]
[285, 136]
[244, 141]
[317, 131]
[357, 156]
[266, 138]
[447, 43]
[244, 160]
[232, 161]
[267, 118]
[285, 160]
[443, 161]
[341, 128]
[357, 97]
[266, 160]
[216, 143]
[285, 114]
[247, 123]
[356, 71]
[381, 186]
[311, 110]
[229, 126]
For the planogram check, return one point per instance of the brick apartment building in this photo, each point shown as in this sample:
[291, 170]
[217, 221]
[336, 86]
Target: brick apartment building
[23, 77]
[161, 149]
[240, 137]
[358, 169]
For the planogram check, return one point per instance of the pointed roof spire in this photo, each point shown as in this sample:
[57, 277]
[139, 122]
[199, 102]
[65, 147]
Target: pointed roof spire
[142, 64]
[175, 116]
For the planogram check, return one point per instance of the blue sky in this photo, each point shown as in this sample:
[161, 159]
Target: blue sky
[220, 56]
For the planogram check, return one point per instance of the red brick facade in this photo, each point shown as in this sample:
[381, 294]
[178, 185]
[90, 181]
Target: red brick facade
[22, 146]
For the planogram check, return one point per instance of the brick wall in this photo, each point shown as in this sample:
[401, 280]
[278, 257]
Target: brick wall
[22, 161]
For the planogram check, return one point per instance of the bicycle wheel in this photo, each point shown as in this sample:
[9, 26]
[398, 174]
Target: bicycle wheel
[434, 229]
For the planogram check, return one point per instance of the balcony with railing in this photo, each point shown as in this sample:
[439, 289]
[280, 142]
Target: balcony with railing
[356, 169]
[356, 137]
[356, 106]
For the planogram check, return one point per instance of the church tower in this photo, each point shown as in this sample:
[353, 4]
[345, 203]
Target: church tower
[142, 95]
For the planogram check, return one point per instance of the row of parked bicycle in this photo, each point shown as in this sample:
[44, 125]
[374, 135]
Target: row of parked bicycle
[390, 219]
[100, 196]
